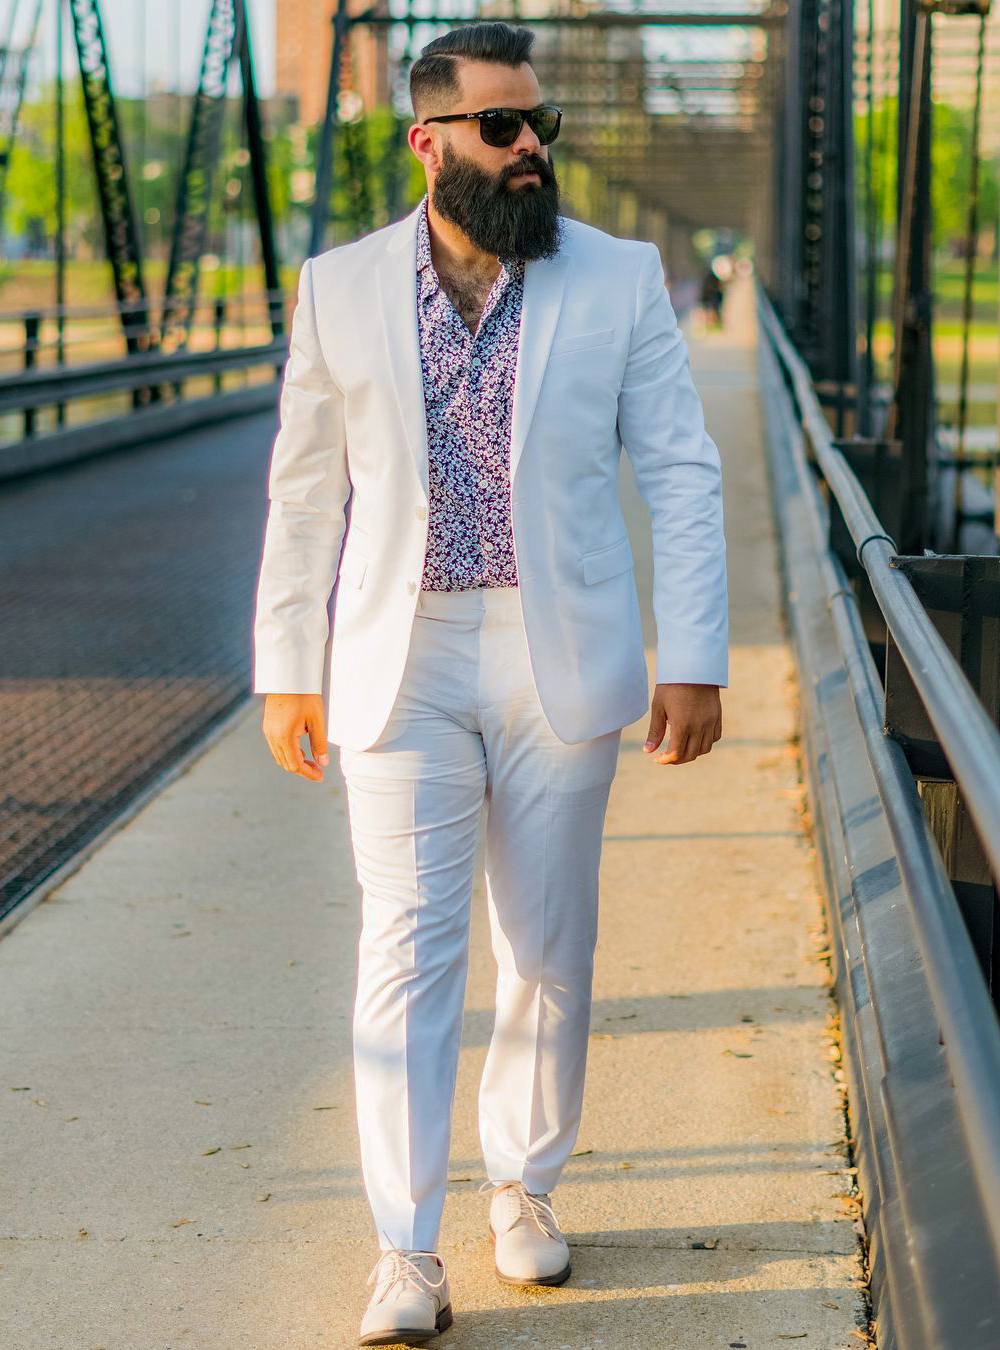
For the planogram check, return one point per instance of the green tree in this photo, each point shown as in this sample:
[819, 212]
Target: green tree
[951, 158]
[30, 206]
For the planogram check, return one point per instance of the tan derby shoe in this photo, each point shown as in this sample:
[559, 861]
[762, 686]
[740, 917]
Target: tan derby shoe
[528, 1246]
[411, 1303]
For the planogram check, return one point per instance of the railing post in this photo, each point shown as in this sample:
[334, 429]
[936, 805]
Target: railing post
[32, 326]
[911, 413]
[219, 319]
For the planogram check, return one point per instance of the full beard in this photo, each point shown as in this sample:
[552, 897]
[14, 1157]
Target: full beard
[508, 223]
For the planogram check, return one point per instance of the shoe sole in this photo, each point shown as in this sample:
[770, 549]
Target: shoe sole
[560, 1277]
[417, 1336]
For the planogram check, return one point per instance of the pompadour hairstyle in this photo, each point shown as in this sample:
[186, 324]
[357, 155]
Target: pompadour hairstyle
[435, 84]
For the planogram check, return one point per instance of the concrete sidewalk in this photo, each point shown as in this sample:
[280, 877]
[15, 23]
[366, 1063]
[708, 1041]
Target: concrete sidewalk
[180, 1162]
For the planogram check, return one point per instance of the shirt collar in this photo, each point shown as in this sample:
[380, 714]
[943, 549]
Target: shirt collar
[424, 261]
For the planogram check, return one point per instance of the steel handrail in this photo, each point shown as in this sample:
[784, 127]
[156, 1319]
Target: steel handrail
[961, 1000]
[49, 385]
[116, 308]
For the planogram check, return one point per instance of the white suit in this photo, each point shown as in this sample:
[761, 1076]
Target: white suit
[513, 696]
[601, 362]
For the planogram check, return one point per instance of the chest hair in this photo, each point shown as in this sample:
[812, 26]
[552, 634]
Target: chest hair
[469, 295]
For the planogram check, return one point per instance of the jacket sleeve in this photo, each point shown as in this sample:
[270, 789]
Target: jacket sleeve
[308, 487]
[678, 472]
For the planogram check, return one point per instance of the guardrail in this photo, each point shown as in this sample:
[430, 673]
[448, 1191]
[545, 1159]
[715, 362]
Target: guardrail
[32, 390]
[921, 1034]
[62, 384]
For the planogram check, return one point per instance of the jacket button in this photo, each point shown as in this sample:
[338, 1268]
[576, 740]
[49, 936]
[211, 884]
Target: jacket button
[411, 586]
[420, 512]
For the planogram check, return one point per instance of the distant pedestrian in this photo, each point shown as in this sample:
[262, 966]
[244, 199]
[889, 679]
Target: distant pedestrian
[712, 294]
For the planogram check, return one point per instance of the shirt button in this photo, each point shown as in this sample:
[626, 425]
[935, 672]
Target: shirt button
[420, 512]
[411, 586]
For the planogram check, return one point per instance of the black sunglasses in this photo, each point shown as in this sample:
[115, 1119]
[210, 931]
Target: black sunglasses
[502, 126]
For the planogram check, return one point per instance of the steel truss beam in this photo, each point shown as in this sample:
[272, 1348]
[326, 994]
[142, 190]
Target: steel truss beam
[121, 235]
[227, 39]
[593, 19]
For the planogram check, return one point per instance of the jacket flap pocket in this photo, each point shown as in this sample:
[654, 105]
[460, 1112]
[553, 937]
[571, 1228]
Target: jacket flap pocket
[607, 562]
[578, 341]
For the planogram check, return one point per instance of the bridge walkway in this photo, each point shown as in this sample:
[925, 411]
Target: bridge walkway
[179, 1147]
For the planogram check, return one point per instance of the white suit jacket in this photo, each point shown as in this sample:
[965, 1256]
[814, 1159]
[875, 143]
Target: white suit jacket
[601, 363]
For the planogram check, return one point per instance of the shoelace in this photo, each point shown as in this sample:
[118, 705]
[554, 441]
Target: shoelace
[405, 1269]
[530, 1206]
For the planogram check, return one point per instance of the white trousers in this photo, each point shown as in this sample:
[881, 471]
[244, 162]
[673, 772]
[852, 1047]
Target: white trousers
[467, 726]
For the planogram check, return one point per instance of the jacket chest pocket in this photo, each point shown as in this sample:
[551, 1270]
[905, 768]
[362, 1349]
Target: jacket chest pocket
[578, 342]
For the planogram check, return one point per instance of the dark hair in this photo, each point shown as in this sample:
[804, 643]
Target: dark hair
[434, 77]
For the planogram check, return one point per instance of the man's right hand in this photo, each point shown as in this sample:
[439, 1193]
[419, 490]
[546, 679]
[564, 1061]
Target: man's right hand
[286, 718]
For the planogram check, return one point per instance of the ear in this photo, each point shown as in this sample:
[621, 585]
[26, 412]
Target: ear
[423, 144]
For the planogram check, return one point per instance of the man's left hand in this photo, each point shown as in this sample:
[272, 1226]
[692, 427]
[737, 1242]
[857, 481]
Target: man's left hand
[694, 712]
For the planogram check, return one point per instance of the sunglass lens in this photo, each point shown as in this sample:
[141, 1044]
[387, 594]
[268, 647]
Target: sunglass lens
[545, 124]
[501, 128]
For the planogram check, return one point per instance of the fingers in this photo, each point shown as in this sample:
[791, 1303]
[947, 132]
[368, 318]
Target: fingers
[305, 768]
[317, 737]
[288, 755]
[676, 746]
[657, 726]
[686, 744]
[286, 719]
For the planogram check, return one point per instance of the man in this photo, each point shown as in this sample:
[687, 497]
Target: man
[458, 389]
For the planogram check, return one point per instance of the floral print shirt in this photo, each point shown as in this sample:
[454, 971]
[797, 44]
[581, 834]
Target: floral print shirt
[468, 392]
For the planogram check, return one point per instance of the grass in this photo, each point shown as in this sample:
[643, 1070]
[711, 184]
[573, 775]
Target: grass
[949, 289]
[29, 285]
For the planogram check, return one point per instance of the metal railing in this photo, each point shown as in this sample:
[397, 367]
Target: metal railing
[967, 1027]
[161, 375]
[36, 389]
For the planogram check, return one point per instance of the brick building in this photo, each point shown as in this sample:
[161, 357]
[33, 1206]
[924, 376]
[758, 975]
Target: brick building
[303, 45]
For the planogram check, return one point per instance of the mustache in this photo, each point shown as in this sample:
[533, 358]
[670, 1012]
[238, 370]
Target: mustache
[528, 164]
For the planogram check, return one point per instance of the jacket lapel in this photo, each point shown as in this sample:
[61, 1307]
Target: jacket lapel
[396, 277]
[544, 288]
